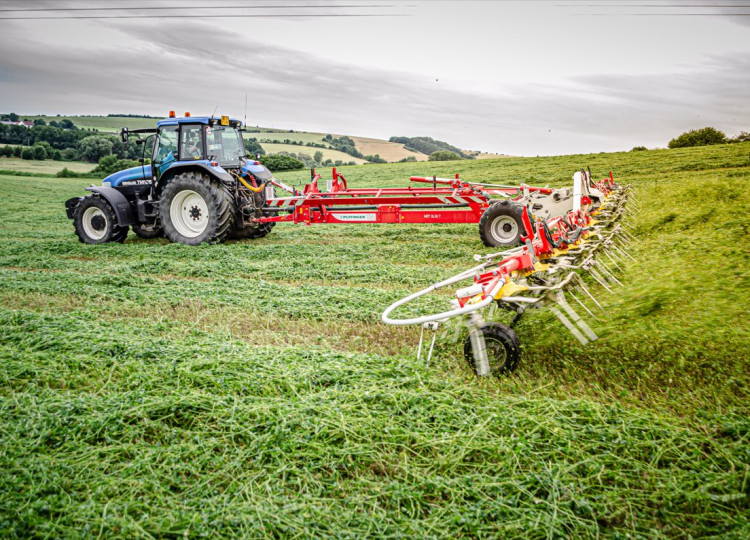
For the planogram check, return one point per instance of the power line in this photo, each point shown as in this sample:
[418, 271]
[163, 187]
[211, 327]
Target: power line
[233, 16]
[142, 8]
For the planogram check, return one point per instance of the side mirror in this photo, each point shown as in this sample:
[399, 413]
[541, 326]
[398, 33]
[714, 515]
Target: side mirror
[124, 135]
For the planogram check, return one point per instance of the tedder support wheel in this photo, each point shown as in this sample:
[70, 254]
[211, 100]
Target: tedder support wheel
[503, 349]
[148, 231]
[95, 222]
[195, 208]
[501, 225]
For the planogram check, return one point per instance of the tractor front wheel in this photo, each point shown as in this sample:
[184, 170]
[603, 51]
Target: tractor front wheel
[195, 208]
[503, 348]
[95, 222]
[501, 225]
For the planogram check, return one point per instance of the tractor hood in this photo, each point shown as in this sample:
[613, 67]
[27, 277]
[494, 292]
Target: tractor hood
[131, 176]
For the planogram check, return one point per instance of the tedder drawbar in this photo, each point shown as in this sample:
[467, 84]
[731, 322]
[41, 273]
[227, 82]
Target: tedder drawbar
[549, 264]
[496, 208]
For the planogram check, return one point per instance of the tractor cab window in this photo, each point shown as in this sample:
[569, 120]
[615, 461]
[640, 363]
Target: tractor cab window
[191, 142]
[166, 145]
[224, 144]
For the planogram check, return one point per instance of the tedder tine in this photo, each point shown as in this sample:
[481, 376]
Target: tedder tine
[584, 289]
[576, 319]
[479, 348]
[608, 272]
[599, 279]
[583, 305]
[569, 325]
[419, 347]
[432, 346]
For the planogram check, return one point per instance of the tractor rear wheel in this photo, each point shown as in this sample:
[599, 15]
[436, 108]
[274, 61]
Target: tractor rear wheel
[96, 223]
[195, 208]
[501, 225]
[503, 349]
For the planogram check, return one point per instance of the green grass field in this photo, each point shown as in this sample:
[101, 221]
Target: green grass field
[46, 166]
[248, 388]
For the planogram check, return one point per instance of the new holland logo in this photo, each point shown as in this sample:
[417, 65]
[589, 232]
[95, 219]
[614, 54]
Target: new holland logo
[367, 216]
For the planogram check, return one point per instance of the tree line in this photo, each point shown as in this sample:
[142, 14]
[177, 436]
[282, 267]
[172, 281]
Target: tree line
[428, 145]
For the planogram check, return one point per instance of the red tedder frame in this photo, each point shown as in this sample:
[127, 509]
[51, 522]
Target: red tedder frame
[445, 201]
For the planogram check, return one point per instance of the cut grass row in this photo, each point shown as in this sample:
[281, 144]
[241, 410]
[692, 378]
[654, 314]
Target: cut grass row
[124, 430]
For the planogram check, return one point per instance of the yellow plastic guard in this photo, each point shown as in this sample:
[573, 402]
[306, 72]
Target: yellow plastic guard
[224, 120]
[509, 289]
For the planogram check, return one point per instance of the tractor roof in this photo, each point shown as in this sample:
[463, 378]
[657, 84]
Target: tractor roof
[196, 120]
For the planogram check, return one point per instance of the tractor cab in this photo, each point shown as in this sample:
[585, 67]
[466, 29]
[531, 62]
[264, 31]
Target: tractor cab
[205, 141]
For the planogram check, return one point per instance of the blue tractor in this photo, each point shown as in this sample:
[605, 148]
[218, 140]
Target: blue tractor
[199, 187]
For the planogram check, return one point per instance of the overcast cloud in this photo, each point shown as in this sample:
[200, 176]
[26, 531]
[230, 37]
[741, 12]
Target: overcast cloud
[508, 77]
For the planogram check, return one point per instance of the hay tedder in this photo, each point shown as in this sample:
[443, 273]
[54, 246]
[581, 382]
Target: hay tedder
[556, 252]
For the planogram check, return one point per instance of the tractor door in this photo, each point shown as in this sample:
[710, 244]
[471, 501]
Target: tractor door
[191, 142]
[165, 150]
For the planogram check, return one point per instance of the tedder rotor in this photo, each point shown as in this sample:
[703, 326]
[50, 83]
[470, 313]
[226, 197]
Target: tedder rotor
[549, 265]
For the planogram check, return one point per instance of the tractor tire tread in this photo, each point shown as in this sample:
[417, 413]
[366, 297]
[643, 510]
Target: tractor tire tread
[221, 220]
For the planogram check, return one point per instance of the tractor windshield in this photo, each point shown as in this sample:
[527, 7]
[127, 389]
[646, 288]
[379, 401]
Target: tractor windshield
[224, 144]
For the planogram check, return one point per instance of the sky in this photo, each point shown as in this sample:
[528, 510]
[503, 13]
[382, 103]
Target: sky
[521, 78]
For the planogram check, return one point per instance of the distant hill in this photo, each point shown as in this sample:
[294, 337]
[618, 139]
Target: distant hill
[428, 145]
[272, 140]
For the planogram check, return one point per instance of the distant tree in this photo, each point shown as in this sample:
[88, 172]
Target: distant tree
[56, 155]
[6, 151]
[13, 117]
[40, 122]
[69, 154]
[17, 151]
[110, 164]
[66, 173]
[39, 152]
[376, 159]
[327, 163]
[698, 137]
[318, 157]
[54, 123]
[27, 153]
[253, 147]
[65, 123]
[93, 148]
[443, 155]
[639, 149]
[277, 162]
[744, 136]
[407, 159]
[47, 147]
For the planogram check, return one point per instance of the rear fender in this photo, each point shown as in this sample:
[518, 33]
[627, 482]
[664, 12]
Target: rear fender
[203, 168]
[118, 202]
